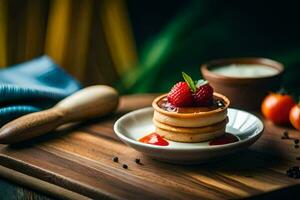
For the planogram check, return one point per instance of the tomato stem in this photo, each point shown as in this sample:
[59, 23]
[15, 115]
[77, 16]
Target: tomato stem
[282, 91]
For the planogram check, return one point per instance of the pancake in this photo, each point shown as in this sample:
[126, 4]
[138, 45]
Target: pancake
[184, 134]
[190, 121]
[194, 130]
[192, 116]
[189, 137]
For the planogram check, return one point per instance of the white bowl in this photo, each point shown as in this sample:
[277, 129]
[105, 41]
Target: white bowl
[137, 124]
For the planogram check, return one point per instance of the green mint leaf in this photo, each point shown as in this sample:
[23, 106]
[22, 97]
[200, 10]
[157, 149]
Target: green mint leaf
[189, 81]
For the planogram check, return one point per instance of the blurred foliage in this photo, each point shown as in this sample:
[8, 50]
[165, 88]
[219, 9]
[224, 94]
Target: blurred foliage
[205, 30]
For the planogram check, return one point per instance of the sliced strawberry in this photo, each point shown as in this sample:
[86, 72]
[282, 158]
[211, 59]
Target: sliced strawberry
[180, 95]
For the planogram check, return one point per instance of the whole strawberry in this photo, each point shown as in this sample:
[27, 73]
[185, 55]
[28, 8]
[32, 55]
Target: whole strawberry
[180, 95]
[204, 95]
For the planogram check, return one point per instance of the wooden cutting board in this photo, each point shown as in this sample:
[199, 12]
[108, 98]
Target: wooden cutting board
[78, 164]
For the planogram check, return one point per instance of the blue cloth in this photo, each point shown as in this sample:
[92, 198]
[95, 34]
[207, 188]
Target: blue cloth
[33, 86]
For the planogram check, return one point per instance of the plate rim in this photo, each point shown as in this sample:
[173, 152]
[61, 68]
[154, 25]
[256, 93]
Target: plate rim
[128, 140]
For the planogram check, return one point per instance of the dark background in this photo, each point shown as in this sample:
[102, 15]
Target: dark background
[198, 31]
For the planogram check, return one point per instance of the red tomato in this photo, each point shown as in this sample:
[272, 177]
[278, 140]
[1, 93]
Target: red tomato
[295, 116]
[276, 107]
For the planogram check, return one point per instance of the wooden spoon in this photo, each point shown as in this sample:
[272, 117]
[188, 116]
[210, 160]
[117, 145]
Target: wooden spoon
[93, 101]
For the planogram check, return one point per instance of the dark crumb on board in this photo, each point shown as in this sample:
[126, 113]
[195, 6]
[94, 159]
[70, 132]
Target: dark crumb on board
[125, 166]
[138, 161]
[292, 172]
[115, 159]
[286, 134]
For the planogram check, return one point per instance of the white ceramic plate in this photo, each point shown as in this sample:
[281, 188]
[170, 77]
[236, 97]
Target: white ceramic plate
[137, 124]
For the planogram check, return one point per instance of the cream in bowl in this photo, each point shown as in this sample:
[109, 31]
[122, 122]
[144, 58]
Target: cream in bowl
[245, 70]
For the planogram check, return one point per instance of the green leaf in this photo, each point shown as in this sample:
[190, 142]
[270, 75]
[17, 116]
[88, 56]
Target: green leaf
[189, 81]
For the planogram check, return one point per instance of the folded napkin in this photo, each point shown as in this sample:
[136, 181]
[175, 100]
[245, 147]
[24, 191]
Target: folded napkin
[33, 86]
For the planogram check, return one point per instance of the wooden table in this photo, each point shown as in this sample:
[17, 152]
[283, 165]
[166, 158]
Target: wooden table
[78, 164]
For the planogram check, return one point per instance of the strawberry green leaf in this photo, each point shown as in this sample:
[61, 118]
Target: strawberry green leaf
[189, 81]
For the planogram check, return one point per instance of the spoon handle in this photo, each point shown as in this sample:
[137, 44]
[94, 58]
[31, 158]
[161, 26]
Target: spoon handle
[93, 101]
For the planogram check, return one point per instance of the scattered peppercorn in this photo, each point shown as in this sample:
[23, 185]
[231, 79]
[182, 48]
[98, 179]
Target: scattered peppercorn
[115, 159]
[293, 172]
[124, 166]
[138, 161]
[286, 134]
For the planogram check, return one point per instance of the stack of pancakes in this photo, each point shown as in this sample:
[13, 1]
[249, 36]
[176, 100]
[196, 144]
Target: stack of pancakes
[190, 125]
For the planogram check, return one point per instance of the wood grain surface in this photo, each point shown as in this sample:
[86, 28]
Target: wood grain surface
[78, 164]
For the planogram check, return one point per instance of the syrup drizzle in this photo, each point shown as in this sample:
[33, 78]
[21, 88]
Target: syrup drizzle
[164, 104]
[227, 138]
[154, 139]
